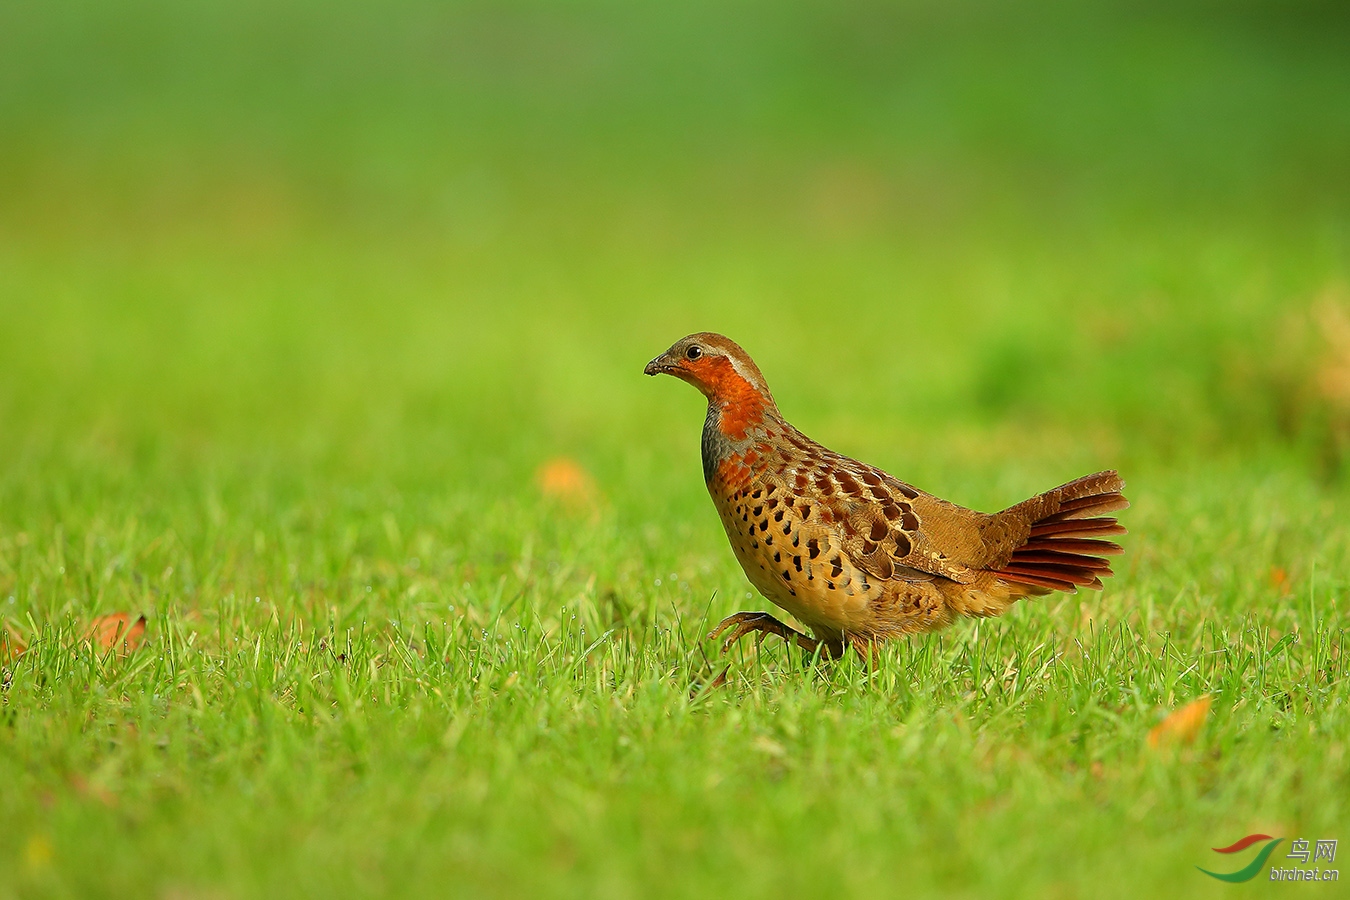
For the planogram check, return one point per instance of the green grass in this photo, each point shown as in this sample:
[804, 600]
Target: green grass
[295, 300]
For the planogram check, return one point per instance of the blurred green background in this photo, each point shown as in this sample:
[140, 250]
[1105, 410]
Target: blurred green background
[296, 300]
[405, 236]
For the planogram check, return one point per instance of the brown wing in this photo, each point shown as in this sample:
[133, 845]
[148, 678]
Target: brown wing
[892, 530]
[889, 525]
[889, 529]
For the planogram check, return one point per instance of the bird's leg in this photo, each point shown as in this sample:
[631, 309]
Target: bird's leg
[743, 623]
[869, 650]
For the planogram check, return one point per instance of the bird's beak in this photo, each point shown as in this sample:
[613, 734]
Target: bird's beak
[659, 366]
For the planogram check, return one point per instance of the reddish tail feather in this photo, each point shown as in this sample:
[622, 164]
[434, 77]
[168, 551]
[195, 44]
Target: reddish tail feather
[1064, 549]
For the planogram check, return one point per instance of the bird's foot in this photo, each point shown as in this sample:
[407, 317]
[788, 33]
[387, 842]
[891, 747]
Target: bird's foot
[743, 623]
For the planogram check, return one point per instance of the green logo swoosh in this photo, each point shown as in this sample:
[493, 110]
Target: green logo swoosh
[1247, 872]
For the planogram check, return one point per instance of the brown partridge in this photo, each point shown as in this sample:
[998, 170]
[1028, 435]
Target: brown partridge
[857, 555]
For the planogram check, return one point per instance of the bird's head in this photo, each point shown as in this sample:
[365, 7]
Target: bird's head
[725, 373]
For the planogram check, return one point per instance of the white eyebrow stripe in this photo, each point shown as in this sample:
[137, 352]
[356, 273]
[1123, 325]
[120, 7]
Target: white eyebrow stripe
[748, 376]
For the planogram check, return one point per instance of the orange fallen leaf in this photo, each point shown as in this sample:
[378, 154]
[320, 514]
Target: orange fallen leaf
[117, 631]
[1182, 725]
[565, 480]
[11, 646]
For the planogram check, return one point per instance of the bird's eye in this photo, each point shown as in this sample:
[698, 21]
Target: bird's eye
[694, 352]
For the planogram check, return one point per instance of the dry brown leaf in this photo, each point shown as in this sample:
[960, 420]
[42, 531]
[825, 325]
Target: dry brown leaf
[117, 631]
[1182, 725]
[564, 480]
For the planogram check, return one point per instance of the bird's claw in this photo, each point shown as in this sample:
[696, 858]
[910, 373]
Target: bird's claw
[742, 623]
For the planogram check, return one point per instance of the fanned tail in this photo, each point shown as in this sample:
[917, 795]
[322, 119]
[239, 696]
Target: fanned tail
[1065, 546]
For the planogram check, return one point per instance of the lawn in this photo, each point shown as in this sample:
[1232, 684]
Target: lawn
[321, 337]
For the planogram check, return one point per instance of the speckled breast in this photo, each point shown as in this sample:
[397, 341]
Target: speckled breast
[794, 562]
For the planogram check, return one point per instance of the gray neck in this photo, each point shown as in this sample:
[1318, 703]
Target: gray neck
[717, 447]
